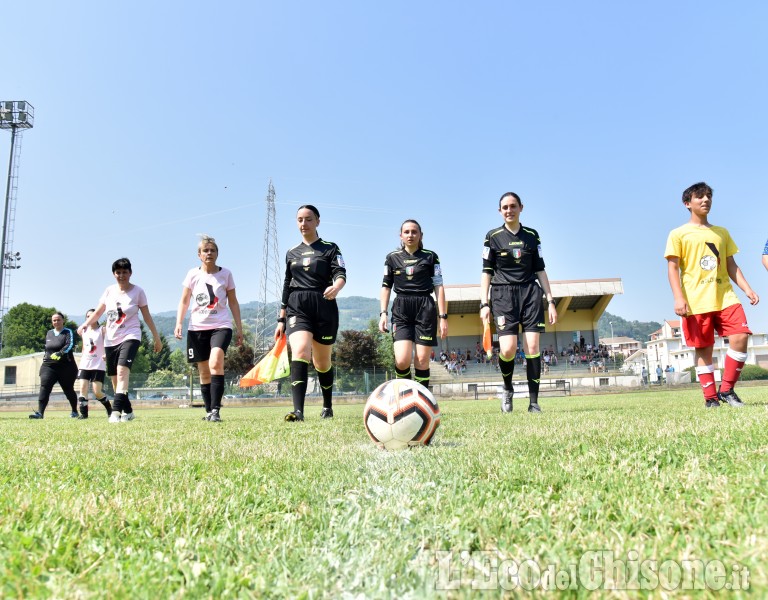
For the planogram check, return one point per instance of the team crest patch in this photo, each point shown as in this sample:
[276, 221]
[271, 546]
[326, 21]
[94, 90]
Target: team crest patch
[340, 260]
[486, 252]
[708, 262]
[306, 261]
[438, 270]
[500, 322]
[517, 253]
[409, 271]
[539, 249]
[386, 270]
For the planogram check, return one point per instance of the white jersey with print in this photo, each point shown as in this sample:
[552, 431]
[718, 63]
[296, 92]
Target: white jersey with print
[122, 314]
[93, 350]
[209, 305]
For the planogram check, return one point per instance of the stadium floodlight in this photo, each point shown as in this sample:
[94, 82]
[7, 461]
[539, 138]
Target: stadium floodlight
[14, 115]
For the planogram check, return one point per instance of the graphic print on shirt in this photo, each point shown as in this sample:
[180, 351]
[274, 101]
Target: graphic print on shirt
[91, 346]
[120, 315]
[708, 262]
[207, 300]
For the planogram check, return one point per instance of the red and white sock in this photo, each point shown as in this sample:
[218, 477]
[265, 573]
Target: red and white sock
[707, 381]
[732, 369]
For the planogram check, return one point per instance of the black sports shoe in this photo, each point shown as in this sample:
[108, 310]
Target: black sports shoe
[296, 415]
[326, 413]
[534, 408]
[731, 398]
[36, 415]
[506, 401]
[712, 403]
[73, 415]
[214, 416]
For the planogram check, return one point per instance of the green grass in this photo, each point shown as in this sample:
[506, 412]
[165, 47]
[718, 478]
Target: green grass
[170, 506]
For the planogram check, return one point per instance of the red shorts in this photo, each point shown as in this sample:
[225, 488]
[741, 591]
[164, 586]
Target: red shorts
[699, 330]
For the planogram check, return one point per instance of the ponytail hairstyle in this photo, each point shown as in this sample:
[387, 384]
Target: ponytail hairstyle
[312, 208]
[421, 233]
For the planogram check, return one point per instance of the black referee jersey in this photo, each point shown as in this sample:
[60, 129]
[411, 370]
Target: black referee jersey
[312, 266]
[414, 274]
[510, 258]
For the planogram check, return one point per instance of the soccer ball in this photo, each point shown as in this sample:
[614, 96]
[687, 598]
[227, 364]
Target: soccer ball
[401, 413]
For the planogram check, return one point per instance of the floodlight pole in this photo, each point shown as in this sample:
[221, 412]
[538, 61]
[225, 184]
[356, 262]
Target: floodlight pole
[5, 213]
[14, 115]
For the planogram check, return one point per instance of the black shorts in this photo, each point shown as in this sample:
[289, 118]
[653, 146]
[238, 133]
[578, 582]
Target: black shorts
[96, 375]
[122, 354]
[414, 318]
[517, 305]
[307, 310]
[199, 343]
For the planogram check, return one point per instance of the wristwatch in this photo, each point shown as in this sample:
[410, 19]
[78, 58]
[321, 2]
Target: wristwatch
[483, 305]
[443, 316]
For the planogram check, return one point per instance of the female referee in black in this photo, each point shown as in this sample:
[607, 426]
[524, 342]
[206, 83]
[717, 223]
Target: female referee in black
[512, 285]
[314, 276]
[414, 273]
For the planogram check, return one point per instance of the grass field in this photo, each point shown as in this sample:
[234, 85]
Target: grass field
[170, 506]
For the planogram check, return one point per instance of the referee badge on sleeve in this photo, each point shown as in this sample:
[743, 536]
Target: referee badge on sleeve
[340, 260]
[486, 252]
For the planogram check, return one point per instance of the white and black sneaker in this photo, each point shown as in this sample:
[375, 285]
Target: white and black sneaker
[506, 401]
[214, 416]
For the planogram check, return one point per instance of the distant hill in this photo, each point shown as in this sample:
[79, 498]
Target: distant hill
[355, 312]
[637, 330]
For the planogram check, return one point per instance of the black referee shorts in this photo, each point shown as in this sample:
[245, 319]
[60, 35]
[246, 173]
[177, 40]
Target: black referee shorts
[307, 310]
[414, 318]
[517, 305]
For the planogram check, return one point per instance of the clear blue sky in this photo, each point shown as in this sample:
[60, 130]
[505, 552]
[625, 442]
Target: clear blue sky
[156, 121]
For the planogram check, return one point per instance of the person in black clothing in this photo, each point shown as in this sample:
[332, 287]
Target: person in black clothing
[413, 273]
[314, 276]
[513, 286]
[58, 366]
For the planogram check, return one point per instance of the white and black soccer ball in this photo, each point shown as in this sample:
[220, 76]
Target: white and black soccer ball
[401, 413]
[708, 262]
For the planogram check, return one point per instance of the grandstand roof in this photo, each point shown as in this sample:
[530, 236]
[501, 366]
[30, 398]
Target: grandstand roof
[578, 294]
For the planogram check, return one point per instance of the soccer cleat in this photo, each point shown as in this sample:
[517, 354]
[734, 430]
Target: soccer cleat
[534, 408]
[83, 416]
[207, 417]
[711, 403]
[73, 415]
[127, 417]
[731, 398]
[36, 415]
[506, 401]
[114, 417]
[326, 413]
[214, 416]
[296, 415]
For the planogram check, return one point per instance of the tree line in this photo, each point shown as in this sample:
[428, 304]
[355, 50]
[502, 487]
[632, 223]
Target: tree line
[355, 352]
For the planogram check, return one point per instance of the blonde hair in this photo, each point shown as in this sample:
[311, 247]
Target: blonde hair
[206, 239]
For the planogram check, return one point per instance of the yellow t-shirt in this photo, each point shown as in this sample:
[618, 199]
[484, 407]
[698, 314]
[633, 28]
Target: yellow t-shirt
[702, 254]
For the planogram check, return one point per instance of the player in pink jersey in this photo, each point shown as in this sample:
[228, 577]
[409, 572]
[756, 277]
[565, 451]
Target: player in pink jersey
[92, 367]
[210, 326]
[122, 302]
[700, 267]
